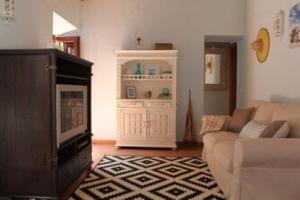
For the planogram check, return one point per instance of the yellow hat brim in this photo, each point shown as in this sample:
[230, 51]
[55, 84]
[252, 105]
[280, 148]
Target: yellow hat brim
[264, 36]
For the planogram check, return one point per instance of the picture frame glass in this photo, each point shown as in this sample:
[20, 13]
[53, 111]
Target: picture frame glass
[131, 92]
[212, 69]
[294, 19]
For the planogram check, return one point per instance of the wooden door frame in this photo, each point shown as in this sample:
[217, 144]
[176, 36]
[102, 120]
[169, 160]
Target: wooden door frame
[72, 39]
[232, 80]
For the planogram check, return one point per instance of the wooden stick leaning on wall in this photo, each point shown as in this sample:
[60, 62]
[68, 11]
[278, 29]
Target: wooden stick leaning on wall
[189, 125]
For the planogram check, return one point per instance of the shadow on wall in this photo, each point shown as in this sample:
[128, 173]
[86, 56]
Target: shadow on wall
[282, 99]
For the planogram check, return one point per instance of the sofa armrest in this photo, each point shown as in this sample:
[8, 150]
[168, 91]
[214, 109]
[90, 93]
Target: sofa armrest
[266, 169]
[267, 153]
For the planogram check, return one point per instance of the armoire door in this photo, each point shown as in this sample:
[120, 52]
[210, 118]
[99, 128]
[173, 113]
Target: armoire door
[159, 124]
[132, 124]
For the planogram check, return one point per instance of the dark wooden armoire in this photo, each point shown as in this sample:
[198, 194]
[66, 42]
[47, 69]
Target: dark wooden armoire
[32, 162]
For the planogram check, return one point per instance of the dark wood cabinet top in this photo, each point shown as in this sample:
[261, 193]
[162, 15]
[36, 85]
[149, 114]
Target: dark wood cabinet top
[57, 52]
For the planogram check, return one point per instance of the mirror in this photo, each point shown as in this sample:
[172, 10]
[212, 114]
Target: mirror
[212, 69]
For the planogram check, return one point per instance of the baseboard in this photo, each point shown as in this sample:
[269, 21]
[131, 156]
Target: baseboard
[111, 142]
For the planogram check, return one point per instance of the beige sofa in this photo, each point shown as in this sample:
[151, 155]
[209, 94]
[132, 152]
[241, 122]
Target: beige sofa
[257, 169]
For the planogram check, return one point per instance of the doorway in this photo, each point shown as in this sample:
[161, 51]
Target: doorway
[220, 75]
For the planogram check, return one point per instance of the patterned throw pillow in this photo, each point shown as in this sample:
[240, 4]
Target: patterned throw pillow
[213, 123]
[277, 129]
[252, 130]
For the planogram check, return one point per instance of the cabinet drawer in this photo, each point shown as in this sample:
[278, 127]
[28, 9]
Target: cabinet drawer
[67, 173]
[159, 104]
[128, 104]
[85, 157]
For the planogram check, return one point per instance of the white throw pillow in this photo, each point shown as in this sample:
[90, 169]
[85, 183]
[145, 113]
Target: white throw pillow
[252, 130]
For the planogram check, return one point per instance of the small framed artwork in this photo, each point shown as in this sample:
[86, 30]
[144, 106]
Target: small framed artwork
[295, 26]
[131, 92]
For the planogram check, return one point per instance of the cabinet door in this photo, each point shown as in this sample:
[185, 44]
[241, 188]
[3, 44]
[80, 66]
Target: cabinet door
[132, 124]
[159, 124]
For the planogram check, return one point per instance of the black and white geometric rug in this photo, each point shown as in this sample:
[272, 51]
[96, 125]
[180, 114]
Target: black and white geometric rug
[149, 178]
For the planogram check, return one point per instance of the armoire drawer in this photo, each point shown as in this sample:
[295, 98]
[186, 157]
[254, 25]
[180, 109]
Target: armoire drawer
[85, 157]
[67, 173]
[133, 104]
[159, 104]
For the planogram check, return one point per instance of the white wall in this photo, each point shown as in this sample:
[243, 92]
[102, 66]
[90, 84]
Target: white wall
[32, 27]
[109, 25]
[68, 9]
[278, 78]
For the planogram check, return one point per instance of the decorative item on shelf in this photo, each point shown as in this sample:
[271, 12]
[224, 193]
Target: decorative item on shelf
[138, 70]
[148, 95]
[165, 94]
[138, 42]
[189, 125]
[7, 10]
[163, 46]
[167, 75]
[262, 45]
[152, 71]
[295, 26]
[131, 92]
[161, 96]
[278, 24]
[166, 72]
[166, 91]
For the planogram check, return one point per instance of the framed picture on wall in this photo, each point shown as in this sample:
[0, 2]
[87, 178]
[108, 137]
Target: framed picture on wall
[295, 26]
[131, 92]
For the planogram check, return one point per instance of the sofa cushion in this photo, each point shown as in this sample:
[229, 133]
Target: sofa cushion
[252, 130]
[240, 118]
[223, 152]
[212, 123]
[264, 111]
[277, 129]
[291, 113]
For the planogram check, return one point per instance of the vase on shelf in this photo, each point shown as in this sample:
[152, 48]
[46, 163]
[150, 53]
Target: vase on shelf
[138, 42]
[138, 70]
[166, 91]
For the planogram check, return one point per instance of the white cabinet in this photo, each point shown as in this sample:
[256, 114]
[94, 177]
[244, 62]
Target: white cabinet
[147, 121]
